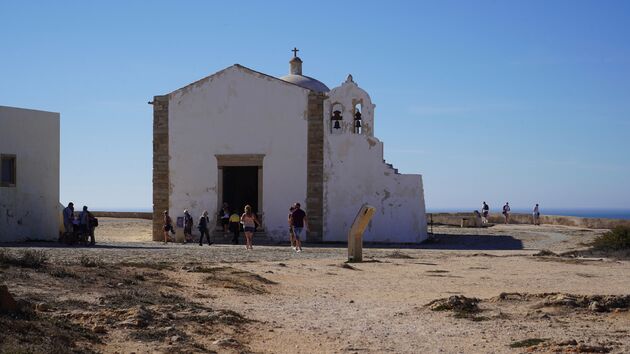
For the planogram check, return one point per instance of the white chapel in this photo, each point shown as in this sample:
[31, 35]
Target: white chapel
[241, 137]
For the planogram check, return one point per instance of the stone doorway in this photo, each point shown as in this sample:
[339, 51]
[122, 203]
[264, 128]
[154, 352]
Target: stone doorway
[240, 182]
[240, 187]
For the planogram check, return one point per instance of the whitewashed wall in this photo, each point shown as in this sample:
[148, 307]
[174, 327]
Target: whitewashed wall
[355, 173]
[29, 211]
[238, 111]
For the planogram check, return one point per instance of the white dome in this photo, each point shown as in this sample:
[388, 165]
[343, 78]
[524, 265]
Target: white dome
[306, 82]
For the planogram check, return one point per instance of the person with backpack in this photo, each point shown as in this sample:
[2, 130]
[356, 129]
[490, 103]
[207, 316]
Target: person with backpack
[204, 222]
[485, 210]
[168, 226]
[506, 212]
[536, 215]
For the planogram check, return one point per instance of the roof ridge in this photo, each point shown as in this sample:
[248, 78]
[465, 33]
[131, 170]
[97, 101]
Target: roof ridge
[237, 66]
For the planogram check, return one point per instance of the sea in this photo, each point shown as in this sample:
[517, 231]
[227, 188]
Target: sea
[583, 213]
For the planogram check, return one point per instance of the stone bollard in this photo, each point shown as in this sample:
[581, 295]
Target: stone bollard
[355, 235]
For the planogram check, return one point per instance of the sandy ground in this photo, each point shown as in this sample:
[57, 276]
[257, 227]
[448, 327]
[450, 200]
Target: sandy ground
[150, 297]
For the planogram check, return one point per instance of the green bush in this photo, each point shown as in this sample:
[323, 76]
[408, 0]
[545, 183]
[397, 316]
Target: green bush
[613, 240]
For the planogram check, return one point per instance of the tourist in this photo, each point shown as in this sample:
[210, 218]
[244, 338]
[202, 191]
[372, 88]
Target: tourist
[86, 221]
[235, 226]
[536, 215]
[225, 218]
[92, 224]
[249, 221]
[291, 232]
[68, 218]
[485, 209]
[299, 221]
[204, 222]
[506, 212]
[168, 226]
[188, 224]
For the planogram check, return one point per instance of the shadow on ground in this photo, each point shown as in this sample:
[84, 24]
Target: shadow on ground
[437, 241]
[472, 242]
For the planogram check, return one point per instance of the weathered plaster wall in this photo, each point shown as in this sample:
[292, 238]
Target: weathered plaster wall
[28, 211]
[355, 173]
[238, 111]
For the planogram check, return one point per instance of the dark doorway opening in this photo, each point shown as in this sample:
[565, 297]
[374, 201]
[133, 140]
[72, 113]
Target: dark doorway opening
[240, 187]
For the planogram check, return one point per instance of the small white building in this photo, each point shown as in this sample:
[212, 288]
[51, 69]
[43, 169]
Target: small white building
[243, 137]
[29, 175]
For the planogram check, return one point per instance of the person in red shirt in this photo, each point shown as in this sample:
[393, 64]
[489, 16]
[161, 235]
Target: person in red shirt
[299, 221]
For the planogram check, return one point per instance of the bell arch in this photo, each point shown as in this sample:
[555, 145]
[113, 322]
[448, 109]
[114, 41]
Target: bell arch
[349, 99]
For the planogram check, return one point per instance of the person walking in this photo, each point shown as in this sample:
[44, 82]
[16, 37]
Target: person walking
[204, 222]
[188, 224]
[235, 226]
[485, 210]
[168, 226]
[536, 215]
[249, 221]
[506, 212]
[291, 232]
[299, 221]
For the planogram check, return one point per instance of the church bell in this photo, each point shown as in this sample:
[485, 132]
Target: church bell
[336, 117]
[357, 120]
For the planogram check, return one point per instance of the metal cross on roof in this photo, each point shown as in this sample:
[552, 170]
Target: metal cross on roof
[295, 50]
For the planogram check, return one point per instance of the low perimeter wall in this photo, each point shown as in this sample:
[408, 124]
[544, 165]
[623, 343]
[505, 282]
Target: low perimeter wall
[123, 214]
[455, 219]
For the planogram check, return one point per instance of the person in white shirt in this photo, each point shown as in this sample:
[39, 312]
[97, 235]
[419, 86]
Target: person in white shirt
[506, 212]
[536, 215]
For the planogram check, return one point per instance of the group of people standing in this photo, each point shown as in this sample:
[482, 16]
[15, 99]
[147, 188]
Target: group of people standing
[229, 221]
[485, 210]
[78, 227]
[297, 220]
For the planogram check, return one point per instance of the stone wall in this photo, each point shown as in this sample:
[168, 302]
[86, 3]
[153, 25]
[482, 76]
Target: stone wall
[315, 166]
[124, 215]
[161, 183]
[355, 173]
[455, 219]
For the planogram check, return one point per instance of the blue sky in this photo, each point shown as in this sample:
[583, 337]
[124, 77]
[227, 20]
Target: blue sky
[520, 101]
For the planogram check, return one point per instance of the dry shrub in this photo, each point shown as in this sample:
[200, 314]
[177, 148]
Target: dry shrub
[616, 239]
[24, 258]
[90, 262]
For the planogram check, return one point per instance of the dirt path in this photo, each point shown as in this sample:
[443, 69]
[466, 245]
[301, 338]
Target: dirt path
[313, 302]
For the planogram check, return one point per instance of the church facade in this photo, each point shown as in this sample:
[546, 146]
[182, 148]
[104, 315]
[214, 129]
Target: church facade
[244, 137]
